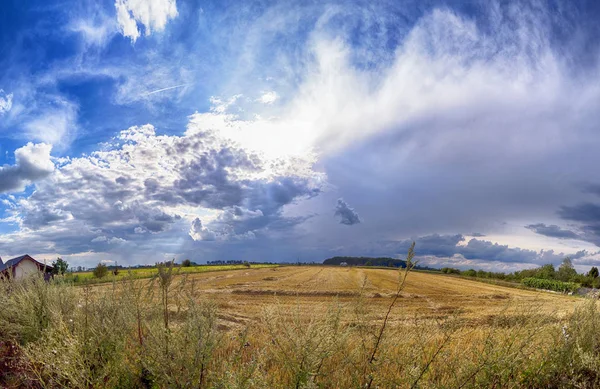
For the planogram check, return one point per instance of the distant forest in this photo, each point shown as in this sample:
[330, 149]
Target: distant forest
[368, 261]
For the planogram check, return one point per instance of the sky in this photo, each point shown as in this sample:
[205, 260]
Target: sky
[137, 131]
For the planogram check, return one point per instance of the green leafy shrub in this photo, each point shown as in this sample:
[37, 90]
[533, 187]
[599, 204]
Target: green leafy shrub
[450, 270]
[557, 286]
[100, 271]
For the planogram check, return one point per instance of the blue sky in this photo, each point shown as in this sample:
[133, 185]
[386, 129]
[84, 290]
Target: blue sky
[135, 131]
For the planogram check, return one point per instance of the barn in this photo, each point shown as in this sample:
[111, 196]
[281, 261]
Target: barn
[23, 266]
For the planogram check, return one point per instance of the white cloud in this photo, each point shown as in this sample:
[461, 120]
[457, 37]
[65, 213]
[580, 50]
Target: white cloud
[269, 97]
[199, 232]
[32, 163]
[5, 102]
[220, 107]
[145, 190]
[153, 15]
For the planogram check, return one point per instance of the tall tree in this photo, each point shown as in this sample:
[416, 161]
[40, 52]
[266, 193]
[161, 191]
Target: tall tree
[59, 266]
[566, 270]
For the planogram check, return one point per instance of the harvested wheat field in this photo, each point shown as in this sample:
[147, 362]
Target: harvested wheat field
[296, 327]
[243, 295]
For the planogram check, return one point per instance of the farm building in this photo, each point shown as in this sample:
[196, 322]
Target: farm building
[23, 266]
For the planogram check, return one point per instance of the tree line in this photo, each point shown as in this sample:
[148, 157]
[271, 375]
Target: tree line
[565, 273]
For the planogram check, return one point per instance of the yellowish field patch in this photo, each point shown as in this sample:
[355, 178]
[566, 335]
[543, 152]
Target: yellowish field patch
[243, 295]
[300, 327]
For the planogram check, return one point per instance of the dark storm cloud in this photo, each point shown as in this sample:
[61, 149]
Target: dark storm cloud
[153, 220]
[585, 212]
[42, 216]
[485, 250]
[435, 245]
[593, 189]
[588, 217]
[263, 205]
[347, 215]
[447, 246]
[552, 231]
[206, 180]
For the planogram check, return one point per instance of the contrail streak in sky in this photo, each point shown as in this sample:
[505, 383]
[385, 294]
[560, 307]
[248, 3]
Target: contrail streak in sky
[163, 89]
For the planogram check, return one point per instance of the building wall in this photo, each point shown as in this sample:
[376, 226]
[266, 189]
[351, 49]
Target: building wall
[24, 268]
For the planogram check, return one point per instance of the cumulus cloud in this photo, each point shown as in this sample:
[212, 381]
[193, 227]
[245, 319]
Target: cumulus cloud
[347, 215]
[269, 97]
[5, 102]
[199, 232]
[152, 15]
[144, 188]
[32, 163]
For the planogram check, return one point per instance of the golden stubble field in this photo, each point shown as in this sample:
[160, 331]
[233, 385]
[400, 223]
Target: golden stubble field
[307, 327]
[242, 296]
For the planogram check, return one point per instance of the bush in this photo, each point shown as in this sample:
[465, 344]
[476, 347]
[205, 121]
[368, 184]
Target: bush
[469, 273]
[246, 263]
[557, 286]
[450, 270]
[100, 271]
[186, 263]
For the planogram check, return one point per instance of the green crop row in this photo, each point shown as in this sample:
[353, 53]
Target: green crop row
[88, 276]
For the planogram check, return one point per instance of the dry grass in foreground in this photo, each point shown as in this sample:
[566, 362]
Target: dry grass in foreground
[295, 327]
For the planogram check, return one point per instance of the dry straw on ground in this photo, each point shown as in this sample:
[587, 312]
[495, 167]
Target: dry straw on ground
[295, 327]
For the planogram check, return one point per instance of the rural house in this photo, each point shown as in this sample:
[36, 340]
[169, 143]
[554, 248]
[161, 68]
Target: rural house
[23, 266]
